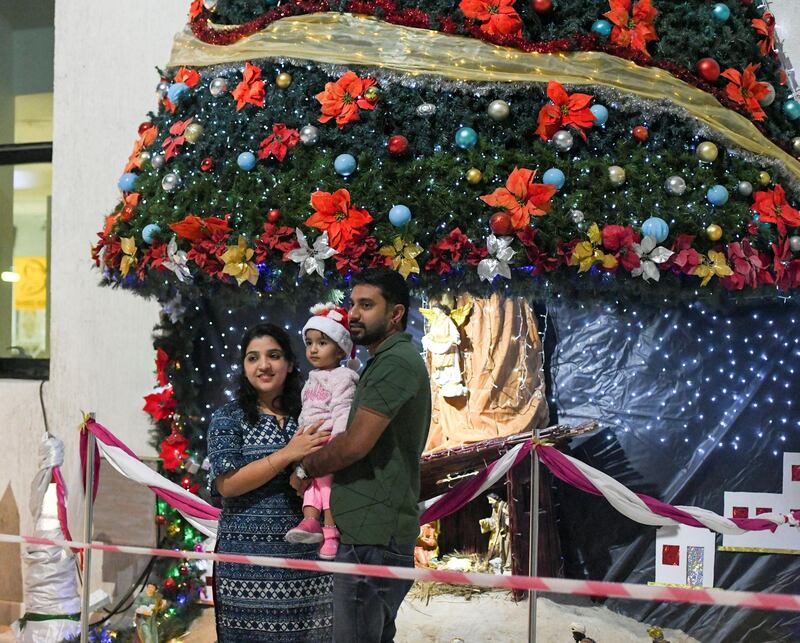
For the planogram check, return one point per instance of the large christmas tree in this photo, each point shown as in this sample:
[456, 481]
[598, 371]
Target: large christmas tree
[639, 150]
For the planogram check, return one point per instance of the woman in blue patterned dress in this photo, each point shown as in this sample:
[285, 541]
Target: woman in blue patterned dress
[251, 444]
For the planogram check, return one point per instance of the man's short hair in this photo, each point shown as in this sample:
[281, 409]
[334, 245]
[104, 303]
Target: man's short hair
[393, 287]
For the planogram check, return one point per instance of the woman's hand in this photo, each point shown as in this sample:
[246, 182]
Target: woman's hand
[306, 441]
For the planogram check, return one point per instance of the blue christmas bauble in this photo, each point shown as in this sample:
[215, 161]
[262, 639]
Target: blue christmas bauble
[721, 12]
[792, 109]
[466, 137]
[345, 164]
[150, 232]
[655, 227]
[600, 114]
[554, 176]
[399, 215]
[602, 28]
[127, 181]
[246, 161]
[175, 90]
[717, 195]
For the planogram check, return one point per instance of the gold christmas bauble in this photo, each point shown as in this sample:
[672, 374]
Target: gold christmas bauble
[764, 178]
[707, 151]
[173, 529]
[714, 232]
[283, 80]
[474, 175]
[193, 132]
[371, 94]
[616, 175]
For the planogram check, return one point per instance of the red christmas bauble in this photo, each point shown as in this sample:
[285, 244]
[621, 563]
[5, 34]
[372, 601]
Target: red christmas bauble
[397, 145]
[144, 127]
[708, 68]
[640, 133]
[274, 215]
[169, 583]
[161, 519]
[206, 164]
[501, 225]
[186, 482]
[183, 570]
[542, 6]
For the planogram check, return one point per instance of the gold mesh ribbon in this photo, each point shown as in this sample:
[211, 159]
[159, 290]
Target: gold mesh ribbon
[347, 39]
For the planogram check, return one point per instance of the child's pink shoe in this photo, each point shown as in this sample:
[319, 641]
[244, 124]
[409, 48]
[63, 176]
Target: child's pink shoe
[307, 532]
[331, 543]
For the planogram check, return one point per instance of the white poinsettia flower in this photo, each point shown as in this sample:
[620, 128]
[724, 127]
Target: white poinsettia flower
[312, 259]
[176, 261]
[650, 255]
[500, 253]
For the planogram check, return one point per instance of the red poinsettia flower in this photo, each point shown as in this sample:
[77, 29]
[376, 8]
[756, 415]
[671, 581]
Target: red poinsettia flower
[162, 361]
[196, 229]
[749, 268]
[684, 258]
[279, 142]
[635, 29]
[772, 207]
[499, 17]
[521, 197]
[155, 257]
[334, 214]
[540, 260]
[280, 238]
[565, 110]
[160, 405]
[451, 249]
[173, 450]
[207, 253]
[360, 252]
[785, 266]
[145, 139]
[766, 29]
[172, 144]
[342, 99]
[746, 90]
[619, 241]
[195, 9]
[131, 201]
[188, 77]
[251, 89]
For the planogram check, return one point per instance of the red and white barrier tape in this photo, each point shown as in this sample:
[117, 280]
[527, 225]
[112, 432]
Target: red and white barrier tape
[728, 598]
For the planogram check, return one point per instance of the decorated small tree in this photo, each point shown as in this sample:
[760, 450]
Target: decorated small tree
[638, 149]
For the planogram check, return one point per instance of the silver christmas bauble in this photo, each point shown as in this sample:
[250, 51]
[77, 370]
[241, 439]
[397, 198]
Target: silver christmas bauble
[498, 110]
[576, 216]
[426, 110]
[796, 144]
[157, 161]
[675, 185]
[144, 156]
[309, 135]
[211, 5]
[745, 188]
[170, 182]
[218, 86]
[161, 90]
[769, 97]
[563, 140]
[794, 243]
[616, 175]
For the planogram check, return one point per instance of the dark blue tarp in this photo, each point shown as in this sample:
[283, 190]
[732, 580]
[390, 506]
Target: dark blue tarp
[692, 401]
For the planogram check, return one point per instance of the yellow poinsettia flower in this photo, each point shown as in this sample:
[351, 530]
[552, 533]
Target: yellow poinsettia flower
[128, 245]
[715, 264]
[586, 253]
[238, 264]
[404, 256]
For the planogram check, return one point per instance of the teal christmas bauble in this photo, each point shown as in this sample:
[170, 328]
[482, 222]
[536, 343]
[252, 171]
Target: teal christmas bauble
[345, 164]
[792, 109]
[246, 161]
[602, 28]
[466, 137]
[399, 215]
[655, 227]
[721, 12]
[554, 176]
[717, 195]
[127, 182]
[175, 90]
[600, 113]
[150, 232]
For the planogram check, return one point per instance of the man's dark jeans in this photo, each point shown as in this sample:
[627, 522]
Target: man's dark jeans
[364, 607]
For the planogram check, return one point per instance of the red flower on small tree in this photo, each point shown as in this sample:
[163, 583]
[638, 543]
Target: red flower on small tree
[565, 110]
[195, 229]
[521, 197]
[145, 139]
[251, 90]
[334, 214]
[160, 405]
[632, 29]
[341, 100]
[279, 142]
[766, 29]
[173, 143]
[499, 17]
[619, 240]
[785, 266]
[772, 207]
[173, 450]
[162, 361]
[746, 90]
[188, 77]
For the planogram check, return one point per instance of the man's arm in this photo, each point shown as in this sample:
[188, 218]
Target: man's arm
[348, 447]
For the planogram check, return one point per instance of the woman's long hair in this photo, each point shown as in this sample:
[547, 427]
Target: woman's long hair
[247, 396]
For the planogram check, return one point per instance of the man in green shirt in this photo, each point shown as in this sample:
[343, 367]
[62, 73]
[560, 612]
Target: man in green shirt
[376, 461]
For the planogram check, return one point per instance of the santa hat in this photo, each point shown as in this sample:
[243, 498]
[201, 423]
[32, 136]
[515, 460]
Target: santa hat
[333, 321]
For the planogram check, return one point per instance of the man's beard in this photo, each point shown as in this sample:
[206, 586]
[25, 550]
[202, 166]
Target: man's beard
[369, 336]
